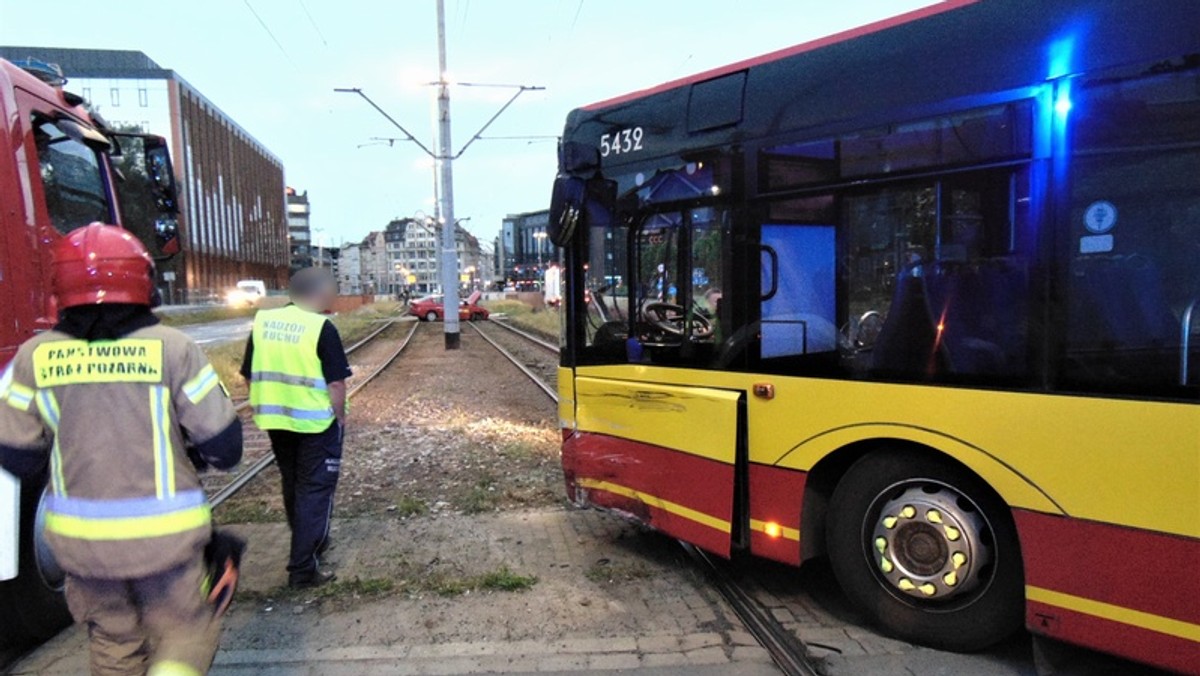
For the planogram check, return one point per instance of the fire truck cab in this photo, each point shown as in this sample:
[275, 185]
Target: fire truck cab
[56, 174]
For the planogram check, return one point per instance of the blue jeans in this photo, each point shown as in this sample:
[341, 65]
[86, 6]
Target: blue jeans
[309, 465]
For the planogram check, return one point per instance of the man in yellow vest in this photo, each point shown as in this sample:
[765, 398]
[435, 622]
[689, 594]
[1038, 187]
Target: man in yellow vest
[297, 371]
[122, 408]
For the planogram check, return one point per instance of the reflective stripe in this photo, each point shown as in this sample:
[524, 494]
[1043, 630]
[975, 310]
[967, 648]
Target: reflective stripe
[287, 379]
[19, 396]
[297, 413]
[48, 406]
[164, 458]
[129, 528]
[6, 380]
[198, 388]
[173, 668]
[121, 508]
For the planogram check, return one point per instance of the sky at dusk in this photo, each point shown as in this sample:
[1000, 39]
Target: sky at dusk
[277, 81]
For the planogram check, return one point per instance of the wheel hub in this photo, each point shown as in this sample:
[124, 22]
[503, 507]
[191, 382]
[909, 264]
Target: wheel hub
[929, 542]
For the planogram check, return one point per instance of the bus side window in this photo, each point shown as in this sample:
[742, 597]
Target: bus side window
[938, 284]
[1133, 263]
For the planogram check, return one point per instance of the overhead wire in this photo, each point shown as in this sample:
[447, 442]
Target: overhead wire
[267, 28]
[313, 21]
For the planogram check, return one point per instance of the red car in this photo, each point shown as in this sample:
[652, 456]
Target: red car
[430, 309]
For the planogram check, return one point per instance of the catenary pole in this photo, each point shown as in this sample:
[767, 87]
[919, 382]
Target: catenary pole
[445, 159]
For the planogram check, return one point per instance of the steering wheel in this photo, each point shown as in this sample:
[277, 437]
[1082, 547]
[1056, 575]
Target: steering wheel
[671, 318]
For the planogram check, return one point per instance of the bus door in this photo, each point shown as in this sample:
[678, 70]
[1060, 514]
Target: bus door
[666, 454]
[657, 437]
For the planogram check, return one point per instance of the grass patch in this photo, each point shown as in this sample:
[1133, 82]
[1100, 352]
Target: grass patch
[354, 587]
[481, 497]
[520, 450]
[246, 511]
[546, 322]
[608, 572]
[501, 579]
[409, 506]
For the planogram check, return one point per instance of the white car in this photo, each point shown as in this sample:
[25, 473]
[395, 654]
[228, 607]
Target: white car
[247, 293]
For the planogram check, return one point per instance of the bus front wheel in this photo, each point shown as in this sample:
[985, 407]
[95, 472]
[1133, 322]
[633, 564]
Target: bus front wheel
[926, 550]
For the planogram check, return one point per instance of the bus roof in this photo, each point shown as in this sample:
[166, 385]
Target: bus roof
[955, 56]
[850, 34]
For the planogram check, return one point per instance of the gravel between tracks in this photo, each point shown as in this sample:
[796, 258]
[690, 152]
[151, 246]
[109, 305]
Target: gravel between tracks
[437, 432]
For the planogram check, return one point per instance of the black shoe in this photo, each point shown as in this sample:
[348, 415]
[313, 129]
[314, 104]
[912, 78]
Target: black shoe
[310, 580]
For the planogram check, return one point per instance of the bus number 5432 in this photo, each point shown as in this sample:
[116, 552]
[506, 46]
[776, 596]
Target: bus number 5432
[623, 141]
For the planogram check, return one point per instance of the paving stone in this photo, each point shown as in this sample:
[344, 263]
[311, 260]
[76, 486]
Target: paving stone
[614, 661]
[746, 653]
[691, 642]
[658, 644]
[664, 660]
[707, 656]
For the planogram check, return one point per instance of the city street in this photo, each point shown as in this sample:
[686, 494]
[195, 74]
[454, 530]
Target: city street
[224, 331]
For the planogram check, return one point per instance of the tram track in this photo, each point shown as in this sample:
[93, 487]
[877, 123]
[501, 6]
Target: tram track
[258, 441]
[786, 650]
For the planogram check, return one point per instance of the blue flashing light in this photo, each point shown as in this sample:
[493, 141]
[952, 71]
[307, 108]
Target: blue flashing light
[1063, 105]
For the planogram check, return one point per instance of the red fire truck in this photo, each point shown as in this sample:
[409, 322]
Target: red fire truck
[59, 171]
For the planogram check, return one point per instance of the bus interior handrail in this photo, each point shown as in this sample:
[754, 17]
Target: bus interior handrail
[1185, 329]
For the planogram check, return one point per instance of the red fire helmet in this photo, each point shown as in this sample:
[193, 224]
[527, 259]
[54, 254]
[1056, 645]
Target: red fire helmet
[102, 264]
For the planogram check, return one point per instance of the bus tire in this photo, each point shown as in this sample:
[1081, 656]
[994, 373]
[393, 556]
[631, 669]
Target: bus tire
[926, 550]
[30, 611]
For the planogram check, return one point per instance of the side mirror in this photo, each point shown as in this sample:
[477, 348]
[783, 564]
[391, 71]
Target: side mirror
[162, 174]
[566, 208]
[166, 195]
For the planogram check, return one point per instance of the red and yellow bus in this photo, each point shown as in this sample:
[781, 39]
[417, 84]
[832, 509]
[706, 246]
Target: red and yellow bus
[921, 298]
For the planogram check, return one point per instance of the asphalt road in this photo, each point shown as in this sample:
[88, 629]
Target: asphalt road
[223, 331]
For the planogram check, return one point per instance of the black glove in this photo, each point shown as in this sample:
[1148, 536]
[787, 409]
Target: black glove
[197, 461]
[223, 558]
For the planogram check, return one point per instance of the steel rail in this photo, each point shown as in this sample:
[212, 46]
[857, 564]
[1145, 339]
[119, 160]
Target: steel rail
[256, 468]
[549, 391]
[786, 650]
[544, 344]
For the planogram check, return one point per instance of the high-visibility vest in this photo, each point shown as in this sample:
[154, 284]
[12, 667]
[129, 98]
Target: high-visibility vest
[287, 385]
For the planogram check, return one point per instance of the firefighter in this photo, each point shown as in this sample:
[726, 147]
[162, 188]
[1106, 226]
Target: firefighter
[297, 371]
[123, 409]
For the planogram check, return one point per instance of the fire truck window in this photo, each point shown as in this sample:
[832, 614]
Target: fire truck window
[71, 179]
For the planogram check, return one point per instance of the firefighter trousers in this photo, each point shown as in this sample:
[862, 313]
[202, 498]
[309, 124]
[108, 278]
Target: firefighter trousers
[309, 466]
[161, 625]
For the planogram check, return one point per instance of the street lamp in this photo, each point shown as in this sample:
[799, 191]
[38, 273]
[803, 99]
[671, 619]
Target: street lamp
[540, 236]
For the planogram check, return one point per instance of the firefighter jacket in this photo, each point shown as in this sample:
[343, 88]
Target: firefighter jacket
[287, 384]
[118, 420]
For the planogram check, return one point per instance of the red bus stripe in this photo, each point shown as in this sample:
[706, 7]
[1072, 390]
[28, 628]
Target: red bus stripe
[663, 476]
[1143, 645]
[1127, 567]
